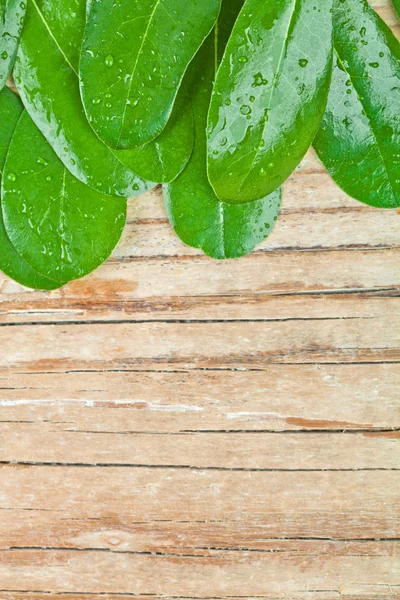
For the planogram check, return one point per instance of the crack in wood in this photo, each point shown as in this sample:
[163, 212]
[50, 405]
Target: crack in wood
[176, 321]
[186, 467]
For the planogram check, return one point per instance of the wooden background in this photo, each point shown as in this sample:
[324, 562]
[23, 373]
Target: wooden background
[176, 427]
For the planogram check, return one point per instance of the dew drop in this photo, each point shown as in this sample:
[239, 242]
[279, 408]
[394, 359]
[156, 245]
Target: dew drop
[259, 80]
[303, 62]
[109, 60]
[12, 177]
[42, 161]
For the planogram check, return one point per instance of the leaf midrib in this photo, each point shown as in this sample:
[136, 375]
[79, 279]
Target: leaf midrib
[276, 75]
[53, 36]
[151, 16]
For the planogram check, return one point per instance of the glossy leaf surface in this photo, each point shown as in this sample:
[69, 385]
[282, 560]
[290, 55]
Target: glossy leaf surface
[165, 157]
[134, 56]
[221, 230]
[12, 13]
[46, 76]
[269, 97]
[62, 228]
[359, 139]
[11, 263]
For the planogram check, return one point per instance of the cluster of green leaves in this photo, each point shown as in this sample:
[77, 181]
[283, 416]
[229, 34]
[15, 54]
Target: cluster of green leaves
[218, 100]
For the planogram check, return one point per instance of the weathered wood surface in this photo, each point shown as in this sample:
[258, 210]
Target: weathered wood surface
[175, 427]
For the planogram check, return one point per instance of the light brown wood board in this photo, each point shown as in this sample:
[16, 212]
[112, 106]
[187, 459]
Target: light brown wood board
[173, 427]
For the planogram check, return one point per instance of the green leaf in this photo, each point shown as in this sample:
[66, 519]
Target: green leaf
[359, 139]
[11, 263]
[221, 230]
[396, 5]
[269, 97]
[164, 158]
[12, 13]
[61, 227]
[46, 75]
[10, 111]
[134, 57]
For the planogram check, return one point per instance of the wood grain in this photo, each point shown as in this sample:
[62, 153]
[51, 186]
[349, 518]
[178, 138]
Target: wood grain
[173, 427]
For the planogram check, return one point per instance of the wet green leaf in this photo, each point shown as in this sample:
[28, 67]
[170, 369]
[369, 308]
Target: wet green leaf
[46, 76]
[164, 158]
[221, 230]
[269, 97]
[134, 57]
[359, 139]
[61, 227]
[10, 111]
[11, 263]
[12, 13]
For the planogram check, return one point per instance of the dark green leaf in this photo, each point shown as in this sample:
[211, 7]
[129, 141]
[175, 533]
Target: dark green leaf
[134, 57]
[221, 230]
[165, 157]
[11, 263]
[46, 76]
[12, 13]
[61, 227]
[359, 139]
[269, 97]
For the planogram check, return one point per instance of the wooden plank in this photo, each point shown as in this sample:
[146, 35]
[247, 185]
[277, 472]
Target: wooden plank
[280, 504]
[49, 530]
[63, 444]
[250, 288]
[216, 575]
[102, 346]
[279, 398]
